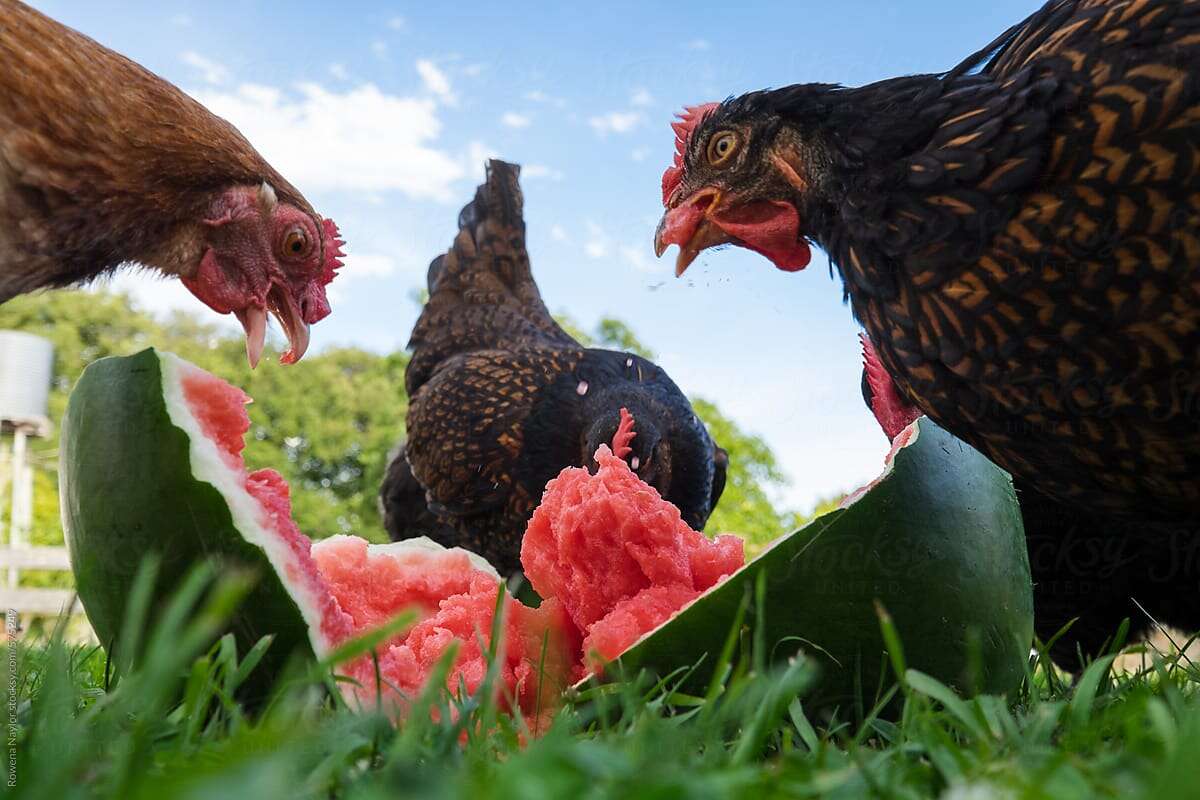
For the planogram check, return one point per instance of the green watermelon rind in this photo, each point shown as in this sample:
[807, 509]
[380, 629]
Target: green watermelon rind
[133, 461]
[937, 541]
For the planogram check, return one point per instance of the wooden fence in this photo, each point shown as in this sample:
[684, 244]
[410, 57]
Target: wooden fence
[18, 462]
[28, 600]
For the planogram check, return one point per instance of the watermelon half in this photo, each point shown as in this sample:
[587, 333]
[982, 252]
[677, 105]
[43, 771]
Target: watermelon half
[151, 463]
[936, 542]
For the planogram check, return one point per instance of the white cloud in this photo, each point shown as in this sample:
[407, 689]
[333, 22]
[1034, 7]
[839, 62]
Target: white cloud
[379, 48]
[478, 154]
[181, 21]
[367, 265]
[211, 71]
[559, 234]
[538, 96]
[473, 70]
[636, 257]
[640, 153]
[698, 44]
[514, 120]
[535, 171]
[436, 81]
[597, 244]
[615, 122]
[641, 97]
[396, 23]
[364, 270]
[339, 71]
[361, 140]
[600, 244]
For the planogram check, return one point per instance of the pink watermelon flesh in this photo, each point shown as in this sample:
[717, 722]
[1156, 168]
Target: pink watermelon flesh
[619, 557]
[456, 602]
[632, 618]
[361, 586]
[612, 559]
[374, 587]
[221, 411]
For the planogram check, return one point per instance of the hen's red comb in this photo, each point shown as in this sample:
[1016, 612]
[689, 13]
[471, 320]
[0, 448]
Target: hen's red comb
[333, 250]
[624, 435]
[688, 119]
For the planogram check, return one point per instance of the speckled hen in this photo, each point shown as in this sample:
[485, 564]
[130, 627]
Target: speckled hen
[502, 399]
[1019, 235]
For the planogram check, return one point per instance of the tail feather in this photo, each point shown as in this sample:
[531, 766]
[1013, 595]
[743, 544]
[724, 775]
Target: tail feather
[496, 209]
[481, 292]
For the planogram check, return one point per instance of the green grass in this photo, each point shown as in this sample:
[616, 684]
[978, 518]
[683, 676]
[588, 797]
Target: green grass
[161, 720]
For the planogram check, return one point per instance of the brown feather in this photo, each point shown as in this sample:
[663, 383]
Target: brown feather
[101, 161]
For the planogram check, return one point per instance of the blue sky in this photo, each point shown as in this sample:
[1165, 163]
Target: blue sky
[382, 113]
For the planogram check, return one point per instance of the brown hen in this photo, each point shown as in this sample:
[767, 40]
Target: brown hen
[103, 163]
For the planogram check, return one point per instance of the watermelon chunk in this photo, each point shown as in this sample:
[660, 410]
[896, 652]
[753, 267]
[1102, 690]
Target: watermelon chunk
[612, 559]
[617, 555]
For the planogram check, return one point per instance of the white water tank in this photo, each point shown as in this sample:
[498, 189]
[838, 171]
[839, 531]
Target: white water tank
[26, 369]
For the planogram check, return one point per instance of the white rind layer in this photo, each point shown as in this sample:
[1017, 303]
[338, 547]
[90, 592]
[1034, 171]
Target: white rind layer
[416, 551]
[209, 466]
[906, 438]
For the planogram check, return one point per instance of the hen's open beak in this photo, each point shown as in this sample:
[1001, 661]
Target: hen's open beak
[254, 320]
[285, 310]
[690, 226]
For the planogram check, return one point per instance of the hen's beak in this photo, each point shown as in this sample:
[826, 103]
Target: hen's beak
[690, 226]
[254, 320]
[285, 310]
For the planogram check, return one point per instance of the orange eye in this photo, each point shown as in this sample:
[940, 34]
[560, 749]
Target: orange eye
[721, 147]
[295, 244]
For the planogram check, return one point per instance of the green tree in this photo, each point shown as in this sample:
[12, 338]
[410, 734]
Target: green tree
[609, 333]
[617, 335]
[746, 507]
[328, 423]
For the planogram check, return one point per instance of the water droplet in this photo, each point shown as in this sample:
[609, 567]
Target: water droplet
[582, 388]
[635, 462]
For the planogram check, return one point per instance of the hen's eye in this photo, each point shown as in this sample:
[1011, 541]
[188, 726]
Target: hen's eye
[722, 147]
[295, 243]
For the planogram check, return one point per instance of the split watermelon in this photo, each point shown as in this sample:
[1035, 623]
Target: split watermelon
[151, 462]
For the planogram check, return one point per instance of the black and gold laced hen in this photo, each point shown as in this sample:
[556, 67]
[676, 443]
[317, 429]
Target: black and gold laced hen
[502, 399]
[1020, 237]
[1090, 570]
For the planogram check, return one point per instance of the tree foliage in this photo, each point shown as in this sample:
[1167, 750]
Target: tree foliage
[329, 423]
[746, 507]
